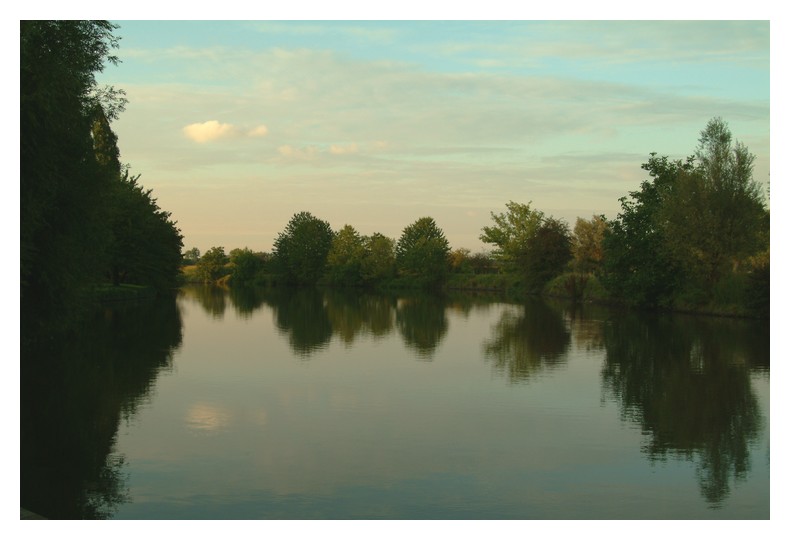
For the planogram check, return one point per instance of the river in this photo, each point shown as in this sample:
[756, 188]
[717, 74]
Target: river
[310, 404]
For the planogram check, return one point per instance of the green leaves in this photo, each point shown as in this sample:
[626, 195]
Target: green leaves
[423, 253]
[529, 243]
[300, 251]
[694, 223]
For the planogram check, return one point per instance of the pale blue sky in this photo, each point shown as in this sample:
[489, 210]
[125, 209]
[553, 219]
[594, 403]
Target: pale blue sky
[236, 126]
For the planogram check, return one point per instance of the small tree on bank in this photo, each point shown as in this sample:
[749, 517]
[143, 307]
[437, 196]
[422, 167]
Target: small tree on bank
[300, 251]
[211, 265]
[423, 253]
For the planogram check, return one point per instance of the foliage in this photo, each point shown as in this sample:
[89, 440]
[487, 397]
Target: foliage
[714, 215]
[587, 245]
[548, 252]
[378, 263]
[211, 265]
[245, 265]
[529, 243]
[63, 237]
[690, 229]
[577, 285]
[344, 260]
[301, 250]
[146, 245]
[638, 267]
[511, 234]
[459, 260]
[463, 261]
[191, 256]
[422, 252]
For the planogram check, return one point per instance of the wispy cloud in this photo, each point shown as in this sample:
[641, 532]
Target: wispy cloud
[560, 113]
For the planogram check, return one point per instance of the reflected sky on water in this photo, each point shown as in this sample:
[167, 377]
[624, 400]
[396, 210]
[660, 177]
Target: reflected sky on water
[300, 404]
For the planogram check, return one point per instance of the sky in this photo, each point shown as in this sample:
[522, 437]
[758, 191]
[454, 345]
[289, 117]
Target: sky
[239, 125]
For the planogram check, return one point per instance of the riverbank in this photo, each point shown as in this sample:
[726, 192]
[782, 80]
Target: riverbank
[123, 292]
[27, 514]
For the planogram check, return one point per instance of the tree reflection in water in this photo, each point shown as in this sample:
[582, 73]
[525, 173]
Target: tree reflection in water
[687, 383]
[210, 297]
[528, 340]
[422, 322]
[354, 313]
[300, 314]
[74, 392]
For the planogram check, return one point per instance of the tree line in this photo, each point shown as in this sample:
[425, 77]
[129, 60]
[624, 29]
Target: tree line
[85, 220]
[695, 236]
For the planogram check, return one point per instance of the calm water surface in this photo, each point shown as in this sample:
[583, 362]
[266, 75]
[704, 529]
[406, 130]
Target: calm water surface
[302, 404]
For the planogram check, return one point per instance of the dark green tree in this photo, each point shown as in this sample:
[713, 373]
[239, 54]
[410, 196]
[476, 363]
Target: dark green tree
[715, 214]
[211, 265]
[638, 266]
[146, 243]
[423, 253]
[344, 260]
[511, 234]
[301, 250]
[63, 188]
[587, 244]
[378, 262]
[191, 256]
[548, 252]
[245, 266]
[529, 243]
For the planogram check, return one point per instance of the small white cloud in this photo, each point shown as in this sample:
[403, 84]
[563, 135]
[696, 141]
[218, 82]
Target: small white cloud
[208, 131]
[260, 131]
[341, 149]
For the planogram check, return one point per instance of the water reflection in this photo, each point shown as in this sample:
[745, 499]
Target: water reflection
[353, 314]
[528, 340]
[211, 298]
[311, 317]
[300, 314]
[246, 300]
[422, 322]
[74, 392]
[687, 383]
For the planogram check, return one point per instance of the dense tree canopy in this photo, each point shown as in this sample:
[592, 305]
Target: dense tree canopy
[512, 232]
[715, 214]
[638, 267]
[529, 243]
[83, 219]
[548, 252]
[378, 262]
[245, 265]
[693, 223]
[587, 245]
[301, 250]
[63, 188]
[422, 252]
[211, 265]
[146, 244]
[344, 260]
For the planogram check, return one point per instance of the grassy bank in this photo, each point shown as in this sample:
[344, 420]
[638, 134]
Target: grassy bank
[123, 292]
